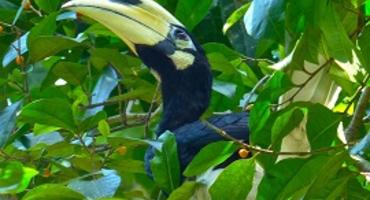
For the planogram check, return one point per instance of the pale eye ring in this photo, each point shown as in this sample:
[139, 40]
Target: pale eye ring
[180, 35]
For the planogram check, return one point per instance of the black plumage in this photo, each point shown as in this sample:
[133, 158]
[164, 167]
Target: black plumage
[192, 137]
[186, 95]
[169, 50]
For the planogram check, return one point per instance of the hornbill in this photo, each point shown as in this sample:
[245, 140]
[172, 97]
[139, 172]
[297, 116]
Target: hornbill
[171, 52]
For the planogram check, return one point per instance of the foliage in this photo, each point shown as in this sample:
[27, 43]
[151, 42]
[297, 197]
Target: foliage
[74, 101]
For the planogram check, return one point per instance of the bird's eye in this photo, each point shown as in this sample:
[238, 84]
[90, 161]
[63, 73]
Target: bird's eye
[180, 35]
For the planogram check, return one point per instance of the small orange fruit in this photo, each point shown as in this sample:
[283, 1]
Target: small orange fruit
[47, 173]
[121, 150]
[19, 60]
[27, 5]
[243, 153]
[1, 29]
[78, 15]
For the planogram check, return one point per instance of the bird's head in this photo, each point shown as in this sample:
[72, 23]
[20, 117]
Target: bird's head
[165, 46]
[149, 30]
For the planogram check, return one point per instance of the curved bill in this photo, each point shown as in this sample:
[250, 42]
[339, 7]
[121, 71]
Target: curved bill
[134, 21]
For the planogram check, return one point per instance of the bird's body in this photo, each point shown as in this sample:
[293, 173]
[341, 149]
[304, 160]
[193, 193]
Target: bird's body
[192, 137]
[169, 50]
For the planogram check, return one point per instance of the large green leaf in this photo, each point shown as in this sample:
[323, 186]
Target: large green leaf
[7, 122]
[325, 176]
[191, 12]
[45, 46]
[288, 177]
[46, 27]
[235, 182]
[210, 156]
[53, 112]
[285, 123]
[73, 73]
[322, 125]
[14, 177]
[52, 191]
[364, 44]
[128, 166]
[184, 192]
[48, 5]
[235, 17]
[165, 164]
[339, 45]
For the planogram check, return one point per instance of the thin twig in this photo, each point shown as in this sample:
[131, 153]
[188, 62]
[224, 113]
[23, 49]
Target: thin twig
[227, 136]
[254, 90]
[35, 10]
[121, 109]
[301, 86]
[357, 94]
[352, 130]
[150, 112]
[259, 60]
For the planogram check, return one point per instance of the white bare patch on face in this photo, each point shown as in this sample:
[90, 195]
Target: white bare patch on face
[182, 59]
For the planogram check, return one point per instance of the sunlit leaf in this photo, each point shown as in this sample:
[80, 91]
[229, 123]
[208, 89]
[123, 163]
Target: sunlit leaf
[45, 46]
[235, 182]
[53, 112]
[52, 191]
[191, 12]
[210, 156]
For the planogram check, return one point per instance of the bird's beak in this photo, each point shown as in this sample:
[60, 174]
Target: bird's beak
[134, 21]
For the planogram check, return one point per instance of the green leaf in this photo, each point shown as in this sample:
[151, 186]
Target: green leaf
[165, 164]
[14, 177]
[321, 133]
[92, 121]
[144, 93]
[364, 43]
[52, 191]
[191, 12]
[220, 63]
[224, 88]
[52, 112]
[7, 121]
[128, 166]
[210, 156]
[48, 5]
[343, 80]
[222, 49]
[339, 45]
[289, 177]
[73, 73]
[45, 46]
[184, 192]
[10, 176]
[235, 17]
[325, 176]
[104, 128]
[235, 182]
[105, 186]
[285, 123]
[46, 27]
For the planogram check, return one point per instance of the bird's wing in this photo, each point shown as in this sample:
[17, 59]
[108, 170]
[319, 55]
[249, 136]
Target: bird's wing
[191, 138]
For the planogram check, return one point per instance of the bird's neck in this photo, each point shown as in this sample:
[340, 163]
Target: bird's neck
[186, 95]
